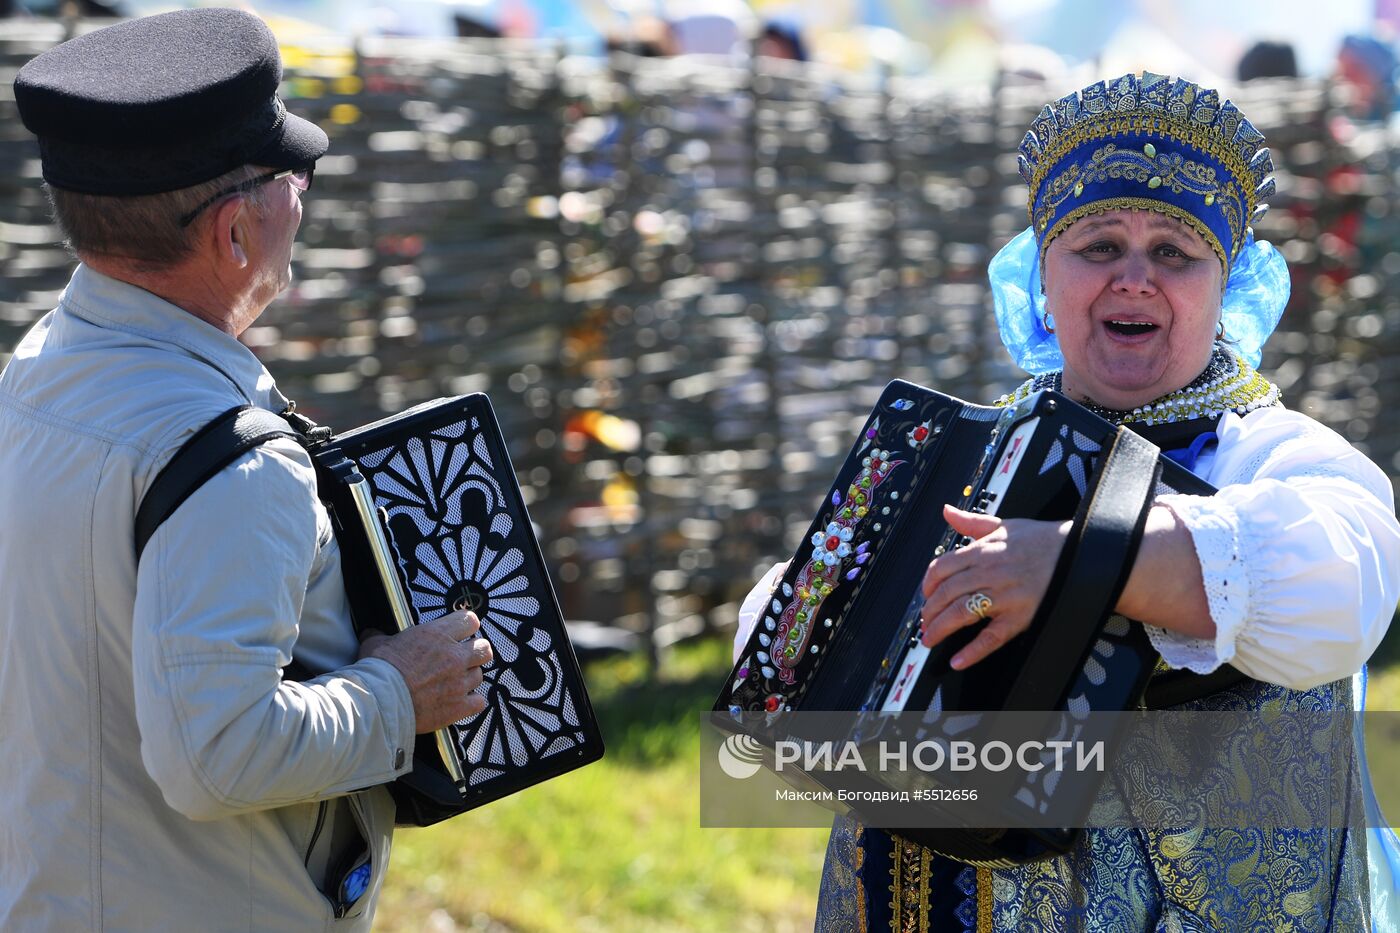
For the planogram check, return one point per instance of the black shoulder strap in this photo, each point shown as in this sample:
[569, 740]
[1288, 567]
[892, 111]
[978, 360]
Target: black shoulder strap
[1093, 568]
[1175, 687]
[213, 447]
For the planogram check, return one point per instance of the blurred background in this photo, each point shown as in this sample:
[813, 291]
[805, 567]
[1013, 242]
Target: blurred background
[682, 246]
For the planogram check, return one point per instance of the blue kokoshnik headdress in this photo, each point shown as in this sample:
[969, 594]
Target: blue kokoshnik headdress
[1154, 143]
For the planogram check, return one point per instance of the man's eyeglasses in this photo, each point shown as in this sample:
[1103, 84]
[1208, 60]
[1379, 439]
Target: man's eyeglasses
[300, 178]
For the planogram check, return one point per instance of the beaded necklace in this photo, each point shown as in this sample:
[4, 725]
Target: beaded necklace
[1227, 384]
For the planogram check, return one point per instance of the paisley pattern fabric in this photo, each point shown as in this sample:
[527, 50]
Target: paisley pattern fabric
[1123, 880]
[845, 909]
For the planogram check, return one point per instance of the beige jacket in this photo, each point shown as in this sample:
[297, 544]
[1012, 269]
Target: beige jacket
[155, 771]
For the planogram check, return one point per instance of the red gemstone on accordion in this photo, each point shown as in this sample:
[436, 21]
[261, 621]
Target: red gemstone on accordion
[920, 433]
[833, 543]
[771, 704]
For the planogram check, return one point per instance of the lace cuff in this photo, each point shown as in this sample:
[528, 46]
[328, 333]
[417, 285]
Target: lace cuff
[1214, 526]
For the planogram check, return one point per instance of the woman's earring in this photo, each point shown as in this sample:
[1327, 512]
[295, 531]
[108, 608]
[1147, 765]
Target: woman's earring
[1047, 322]
[1220, 330]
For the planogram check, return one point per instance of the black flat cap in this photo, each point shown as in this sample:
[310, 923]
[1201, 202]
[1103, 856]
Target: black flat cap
[161, 103]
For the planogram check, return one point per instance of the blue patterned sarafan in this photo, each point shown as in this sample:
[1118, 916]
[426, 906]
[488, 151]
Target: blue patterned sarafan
[1147, 142]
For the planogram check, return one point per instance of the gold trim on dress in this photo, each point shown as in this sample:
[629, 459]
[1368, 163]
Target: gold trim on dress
[909, 904]
[858, 860]
[984, 900]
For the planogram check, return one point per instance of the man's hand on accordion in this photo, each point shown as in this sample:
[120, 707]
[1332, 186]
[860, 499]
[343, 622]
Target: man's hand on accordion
[441, 664]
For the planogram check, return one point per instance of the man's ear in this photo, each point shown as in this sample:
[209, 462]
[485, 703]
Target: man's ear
[231, 231]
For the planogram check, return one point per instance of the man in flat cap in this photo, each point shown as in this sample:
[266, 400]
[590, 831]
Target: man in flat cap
[157, 771]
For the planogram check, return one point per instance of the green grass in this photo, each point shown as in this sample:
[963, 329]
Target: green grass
[618, 846]
[1383, 689]
[615, 846]
[1383, 733]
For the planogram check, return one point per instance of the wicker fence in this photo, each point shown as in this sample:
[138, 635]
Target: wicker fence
[683, 284]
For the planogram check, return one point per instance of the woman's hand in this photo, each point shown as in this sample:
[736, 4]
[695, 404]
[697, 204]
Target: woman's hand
[1009, 561]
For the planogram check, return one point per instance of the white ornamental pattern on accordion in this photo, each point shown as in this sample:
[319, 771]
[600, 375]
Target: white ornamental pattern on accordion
[1077, 452]
[458, 547]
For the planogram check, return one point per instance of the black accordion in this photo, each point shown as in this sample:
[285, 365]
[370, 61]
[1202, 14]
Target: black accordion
[429, 520]
[841, 629]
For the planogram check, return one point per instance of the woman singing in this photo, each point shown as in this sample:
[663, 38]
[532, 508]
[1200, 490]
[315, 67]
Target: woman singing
[1140, 291]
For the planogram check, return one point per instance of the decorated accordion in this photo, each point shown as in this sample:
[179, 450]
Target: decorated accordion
[430, 520]
[841, 629]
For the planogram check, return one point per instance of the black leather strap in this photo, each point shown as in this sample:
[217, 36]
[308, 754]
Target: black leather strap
[213, 447]
[1173, 688]
[1093, 569]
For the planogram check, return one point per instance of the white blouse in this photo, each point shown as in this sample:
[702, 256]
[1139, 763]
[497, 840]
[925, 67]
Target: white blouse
[1299, 550]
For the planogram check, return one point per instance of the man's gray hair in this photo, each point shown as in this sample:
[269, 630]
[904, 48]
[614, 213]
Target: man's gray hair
[142, 229]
